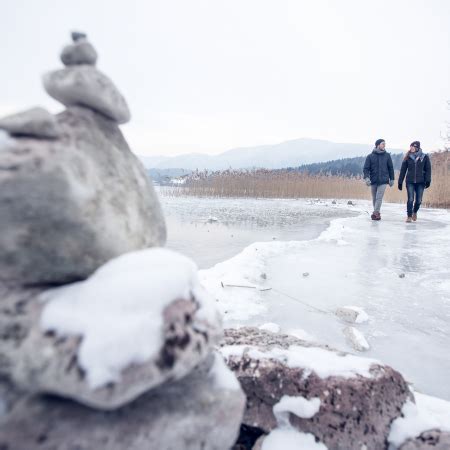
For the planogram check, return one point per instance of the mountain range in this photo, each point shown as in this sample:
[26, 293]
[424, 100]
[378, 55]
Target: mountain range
[293, 153]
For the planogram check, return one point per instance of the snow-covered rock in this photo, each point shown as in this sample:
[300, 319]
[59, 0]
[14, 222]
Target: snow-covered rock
[79, 52]
[70, 204]
[201, 411]
[352, 314]
[359, 397]
[86, 86]
[356, 339]
[35, 122]
[138, 321]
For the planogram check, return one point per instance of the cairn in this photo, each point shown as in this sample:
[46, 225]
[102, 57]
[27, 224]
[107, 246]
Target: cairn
[107, 338]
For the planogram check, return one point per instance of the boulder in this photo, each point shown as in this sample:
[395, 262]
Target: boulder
[356, 339]
[428, 440]
[35, 122]
[352, 314]
[359, 397]
[122, 332]
[86, 86]
[69, 205]
[202, 411]
[80, 52]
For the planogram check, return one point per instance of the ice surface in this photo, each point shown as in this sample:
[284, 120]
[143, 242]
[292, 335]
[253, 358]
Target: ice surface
[355, 261]
[240, 222]
[119, 310]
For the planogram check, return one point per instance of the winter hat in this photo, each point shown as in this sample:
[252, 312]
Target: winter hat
[415, 144]
[378, 142]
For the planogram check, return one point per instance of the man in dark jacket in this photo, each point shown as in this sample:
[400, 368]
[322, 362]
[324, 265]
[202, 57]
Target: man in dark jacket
[378, 173]
[416, 167]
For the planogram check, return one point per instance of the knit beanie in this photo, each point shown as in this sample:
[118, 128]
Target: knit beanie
[416, 144]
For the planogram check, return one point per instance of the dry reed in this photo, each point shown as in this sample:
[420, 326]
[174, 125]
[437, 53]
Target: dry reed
[262, 183]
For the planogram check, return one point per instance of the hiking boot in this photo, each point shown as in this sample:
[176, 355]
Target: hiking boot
[373, 216]
[414, 217]
[409, 219]
[377, 216]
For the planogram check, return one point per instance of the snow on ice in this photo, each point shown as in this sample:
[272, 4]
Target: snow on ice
[355, 261]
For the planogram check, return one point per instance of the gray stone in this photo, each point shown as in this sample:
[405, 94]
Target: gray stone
[81, 52]
[428, 440]
[77, 35]
[354, 412]
[9, 396]
[86, 86]
[69, 205]
[45, 363]
[35, 122]
[195, 413]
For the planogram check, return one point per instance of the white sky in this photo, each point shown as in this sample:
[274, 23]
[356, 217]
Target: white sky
[209, 75]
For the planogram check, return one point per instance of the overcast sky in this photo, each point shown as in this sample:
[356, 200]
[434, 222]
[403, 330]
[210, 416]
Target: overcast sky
[209, 75]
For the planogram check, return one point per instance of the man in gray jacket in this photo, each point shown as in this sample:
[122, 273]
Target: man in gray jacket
[378, 173]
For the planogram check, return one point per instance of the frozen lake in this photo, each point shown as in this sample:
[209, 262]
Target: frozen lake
[193, 230]
[398, 273]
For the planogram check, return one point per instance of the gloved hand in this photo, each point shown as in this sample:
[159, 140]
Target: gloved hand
[367, 181]
[427, 184]
[391, 183]
[400, 186]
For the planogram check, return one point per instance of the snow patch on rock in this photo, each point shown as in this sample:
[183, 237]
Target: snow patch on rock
[222, 376]
[270, 326]
[290, 439]
[300, 406]
[118, 311]
[324, 363]
[427, 414]
[356, 339]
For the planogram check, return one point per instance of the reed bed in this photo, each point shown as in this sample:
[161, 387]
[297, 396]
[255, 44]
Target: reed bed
[262, 183]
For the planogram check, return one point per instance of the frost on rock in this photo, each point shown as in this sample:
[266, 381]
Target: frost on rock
[118, 311]
[356, 339]
[428, 413]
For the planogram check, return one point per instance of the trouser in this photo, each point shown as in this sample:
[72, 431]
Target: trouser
[413, 204]
[377, 196]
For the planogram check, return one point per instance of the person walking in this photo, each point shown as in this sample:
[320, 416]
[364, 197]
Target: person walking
[416, 167]
[378, 173]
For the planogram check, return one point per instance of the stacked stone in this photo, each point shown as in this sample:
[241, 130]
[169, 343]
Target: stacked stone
[73, 197]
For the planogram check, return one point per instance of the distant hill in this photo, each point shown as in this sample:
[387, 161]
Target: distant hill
[345, 166]
[164, 176]
[294, 153]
